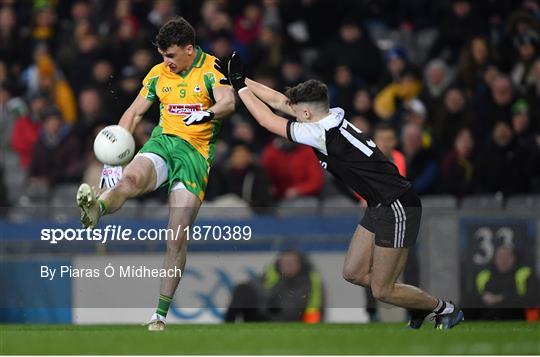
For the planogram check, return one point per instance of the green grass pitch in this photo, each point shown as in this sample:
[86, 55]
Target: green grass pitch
[272, 338]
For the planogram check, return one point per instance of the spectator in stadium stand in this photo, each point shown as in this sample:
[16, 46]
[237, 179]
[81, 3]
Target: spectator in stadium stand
[162, 11]
[293, 169]
[422, 167]
[27, 128]
[124, 41]
[414, 111]
[104, 80]
[533, 96]
[44, 24]
[243, 130]
[222, 45]
[396, 63]
[78, 61]
[292, 71]
[507, 288]
[267, 50]
[11, 108]
[522, 22]
[45, 76]
[528, 51]
[388, 102]
[215, 20]
[353, 48]
[473, 58]
[528, 137]
[521, 124]
[128, 88]
[90, 116]
[503, 165]
[242, 177]
[457, 165]
[142, 60]
[455, 113]
[493, 107]
[454, 30]
[55, 158]
[80, 11]
[363, 106]
[385, 138]
[289, 290]
[14, 43]
[341, 92]
[271, 14]
[247, 27]
[437, 78]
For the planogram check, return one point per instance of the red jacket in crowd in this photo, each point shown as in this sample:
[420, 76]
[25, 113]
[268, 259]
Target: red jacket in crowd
[293, 172]
[23, 138]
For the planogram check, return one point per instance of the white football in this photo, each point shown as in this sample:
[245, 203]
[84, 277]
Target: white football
[114, 145]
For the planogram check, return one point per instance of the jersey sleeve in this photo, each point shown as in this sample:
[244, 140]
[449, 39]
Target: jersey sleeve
[217, 75]
[309, 134]
[149, 83]
[212, 78]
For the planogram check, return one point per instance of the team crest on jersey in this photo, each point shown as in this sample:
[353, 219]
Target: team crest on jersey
[183, 109]
[210, 77]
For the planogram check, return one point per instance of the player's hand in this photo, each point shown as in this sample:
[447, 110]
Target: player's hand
[110, 175]
[235, 70]
[198, 117]
[222, 68]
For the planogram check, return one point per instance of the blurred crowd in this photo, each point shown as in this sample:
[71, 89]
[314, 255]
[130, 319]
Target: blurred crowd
[449, 90]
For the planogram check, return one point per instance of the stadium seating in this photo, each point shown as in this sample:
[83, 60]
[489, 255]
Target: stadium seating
[523, 202]
[482, 201]
[439, 201]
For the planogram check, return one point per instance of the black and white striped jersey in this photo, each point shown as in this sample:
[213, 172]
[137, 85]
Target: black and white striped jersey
[351, 156]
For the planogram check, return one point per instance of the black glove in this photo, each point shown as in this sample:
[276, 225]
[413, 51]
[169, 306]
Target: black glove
[235, 68]
[223, 70]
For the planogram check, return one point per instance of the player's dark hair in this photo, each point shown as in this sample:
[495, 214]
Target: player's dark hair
[311, 91]
[175, 32]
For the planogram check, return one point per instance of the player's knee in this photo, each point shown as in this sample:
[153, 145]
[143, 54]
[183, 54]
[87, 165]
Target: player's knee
[354, 277]
[131, 182]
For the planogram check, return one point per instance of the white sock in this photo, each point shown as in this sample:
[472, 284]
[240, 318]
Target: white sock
[448, 309]
[443, 307]
[156, 316]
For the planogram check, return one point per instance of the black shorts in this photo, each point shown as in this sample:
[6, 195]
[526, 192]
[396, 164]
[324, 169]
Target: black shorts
[395, 225]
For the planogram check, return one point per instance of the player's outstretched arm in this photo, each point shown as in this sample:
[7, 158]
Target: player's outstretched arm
[264, 116]
[110, 175]
[134, 114]
[260, 111]
[273, 98]
[224, 105]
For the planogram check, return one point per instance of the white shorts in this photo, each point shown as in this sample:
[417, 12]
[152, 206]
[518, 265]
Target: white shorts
[160, 166]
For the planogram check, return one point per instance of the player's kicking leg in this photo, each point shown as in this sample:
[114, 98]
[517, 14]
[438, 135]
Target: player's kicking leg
[184, 206]
[139, 177]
